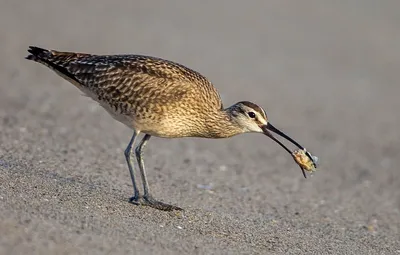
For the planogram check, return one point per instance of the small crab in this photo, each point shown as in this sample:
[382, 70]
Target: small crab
[305, 160]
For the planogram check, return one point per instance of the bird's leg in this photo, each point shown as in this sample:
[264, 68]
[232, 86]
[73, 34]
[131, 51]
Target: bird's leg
[139, 156]
[148, 199]
[128, 153]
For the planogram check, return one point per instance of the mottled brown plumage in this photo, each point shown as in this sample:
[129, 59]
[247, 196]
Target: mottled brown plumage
[156, 97]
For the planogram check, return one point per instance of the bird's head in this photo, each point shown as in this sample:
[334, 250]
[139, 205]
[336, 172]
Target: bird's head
[251, 118]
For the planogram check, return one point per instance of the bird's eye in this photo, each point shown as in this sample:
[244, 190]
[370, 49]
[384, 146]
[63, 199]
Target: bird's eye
[252, 115]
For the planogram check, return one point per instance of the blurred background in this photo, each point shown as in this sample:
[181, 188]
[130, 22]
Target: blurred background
[327, 73]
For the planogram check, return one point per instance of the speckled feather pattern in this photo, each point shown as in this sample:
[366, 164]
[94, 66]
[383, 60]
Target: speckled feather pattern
[149, 94]
[159, 98]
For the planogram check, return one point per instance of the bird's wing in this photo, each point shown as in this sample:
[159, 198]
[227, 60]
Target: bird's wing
[128, 79]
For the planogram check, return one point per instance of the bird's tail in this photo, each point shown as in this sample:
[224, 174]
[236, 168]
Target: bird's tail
[55, 60]
[38, 54]
[52, 57]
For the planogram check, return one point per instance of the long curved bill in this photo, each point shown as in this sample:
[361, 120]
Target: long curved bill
[269, 127]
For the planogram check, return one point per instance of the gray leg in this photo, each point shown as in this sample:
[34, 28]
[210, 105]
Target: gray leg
[148, 199]
[139, 156]
[128, 153]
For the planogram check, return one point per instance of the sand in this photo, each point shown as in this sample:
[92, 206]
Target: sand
[326, 73]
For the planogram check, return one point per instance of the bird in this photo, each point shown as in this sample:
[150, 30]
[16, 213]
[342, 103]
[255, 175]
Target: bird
[156, 97]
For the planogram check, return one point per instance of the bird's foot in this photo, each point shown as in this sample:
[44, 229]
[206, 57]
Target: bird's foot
[135, 199]
[150, 201]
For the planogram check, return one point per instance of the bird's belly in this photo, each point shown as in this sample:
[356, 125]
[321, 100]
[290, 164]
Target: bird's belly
[167, 127]
[171, 125]
[123, 118]
[164, 127]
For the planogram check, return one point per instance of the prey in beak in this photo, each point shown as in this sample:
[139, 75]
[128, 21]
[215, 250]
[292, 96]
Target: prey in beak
[249, 117]
[308, 163]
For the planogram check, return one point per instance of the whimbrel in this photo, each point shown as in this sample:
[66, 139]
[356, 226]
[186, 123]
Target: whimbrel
[159, 98]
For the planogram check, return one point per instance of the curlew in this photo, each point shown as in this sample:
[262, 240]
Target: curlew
[159, 98]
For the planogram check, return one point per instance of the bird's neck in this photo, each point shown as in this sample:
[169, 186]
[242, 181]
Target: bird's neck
[221, 125]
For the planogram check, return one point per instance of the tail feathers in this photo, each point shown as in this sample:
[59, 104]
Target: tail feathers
[57, 61]
[38, 53]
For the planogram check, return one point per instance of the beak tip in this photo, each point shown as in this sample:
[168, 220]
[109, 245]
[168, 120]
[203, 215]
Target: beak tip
[269, 127]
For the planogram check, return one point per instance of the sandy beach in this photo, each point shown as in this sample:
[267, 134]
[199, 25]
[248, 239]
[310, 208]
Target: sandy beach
[327, 73]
